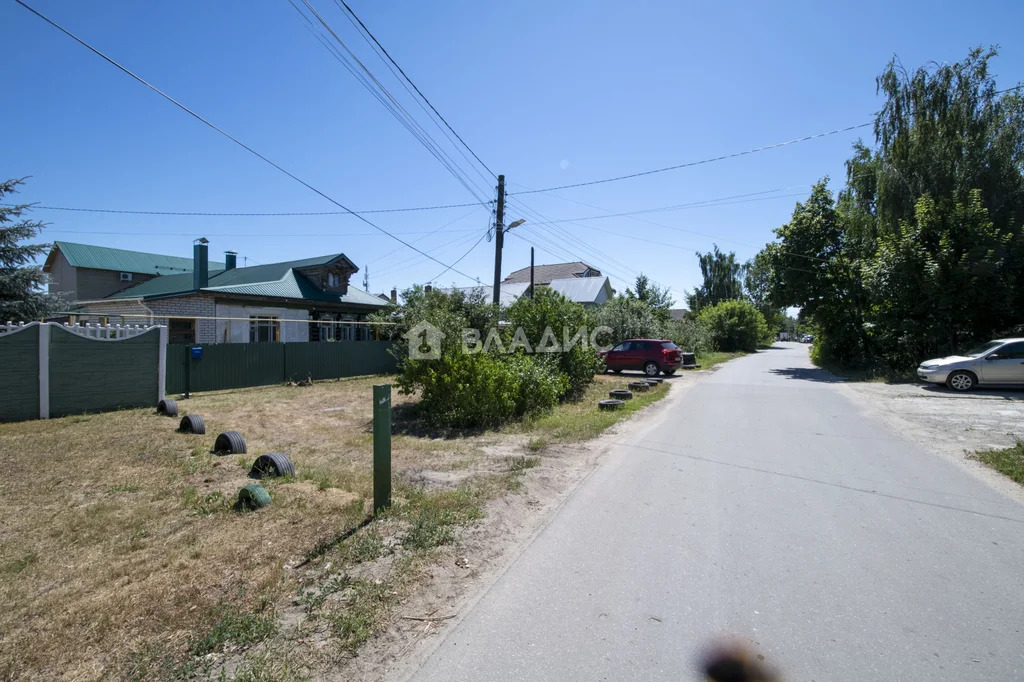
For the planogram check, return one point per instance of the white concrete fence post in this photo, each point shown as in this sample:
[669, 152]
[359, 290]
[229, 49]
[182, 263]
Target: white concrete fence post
[162, 365]
[44, 370]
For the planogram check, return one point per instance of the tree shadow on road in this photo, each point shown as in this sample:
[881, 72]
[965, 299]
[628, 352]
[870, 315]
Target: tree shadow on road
[815, 374]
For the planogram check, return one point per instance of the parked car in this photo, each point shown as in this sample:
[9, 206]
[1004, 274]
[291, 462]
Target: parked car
[806, 338]
[1000, 361]
[649, 355]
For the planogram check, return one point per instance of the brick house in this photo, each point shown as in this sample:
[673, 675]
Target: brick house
[288, 301]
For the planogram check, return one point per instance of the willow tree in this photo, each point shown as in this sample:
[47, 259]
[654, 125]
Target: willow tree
[928, 233]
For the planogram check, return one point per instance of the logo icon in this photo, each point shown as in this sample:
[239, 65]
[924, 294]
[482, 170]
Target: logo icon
[424, 341]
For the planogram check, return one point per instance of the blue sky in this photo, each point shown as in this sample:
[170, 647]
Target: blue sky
[546, 93]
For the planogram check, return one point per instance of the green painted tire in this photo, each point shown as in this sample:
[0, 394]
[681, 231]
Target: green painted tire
[253, 496]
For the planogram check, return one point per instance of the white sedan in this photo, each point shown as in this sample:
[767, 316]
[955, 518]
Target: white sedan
[997, 362]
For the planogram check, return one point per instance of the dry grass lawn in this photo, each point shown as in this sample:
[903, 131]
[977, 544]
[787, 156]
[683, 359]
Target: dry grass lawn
[121, 556]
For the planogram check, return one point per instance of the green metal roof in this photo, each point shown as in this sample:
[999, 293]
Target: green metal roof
[122, 260]
[274, 280]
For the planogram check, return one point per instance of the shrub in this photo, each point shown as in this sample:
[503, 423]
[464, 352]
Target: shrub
[629, 318]
[474, 390]
[735, 325]
[690, 335]
[549, 310]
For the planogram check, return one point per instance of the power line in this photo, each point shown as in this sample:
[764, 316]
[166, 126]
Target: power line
[699, 163]
[404, 75]
[244, 214]
[475, 244]
[151, 233]
[384, 96]
[433, 232]
[225, 134]
[689, 164]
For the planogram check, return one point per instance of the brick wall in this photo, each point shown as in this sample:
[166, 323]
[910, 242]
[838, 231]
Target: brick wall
[190, 306]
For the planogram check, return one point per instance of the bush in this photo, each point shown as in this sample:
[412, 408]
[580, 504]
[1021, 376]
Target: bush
[476, 390]
[549, 310]
[690, 335]
[735, 326]
[629, 318]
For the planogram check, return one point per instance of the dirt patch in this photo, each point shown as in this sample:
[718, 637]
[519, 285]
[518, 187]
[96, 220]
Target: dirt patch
[952, 425]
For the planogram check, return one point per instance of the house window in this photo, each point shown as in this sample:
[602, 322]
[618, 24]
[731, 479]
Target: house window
[328, 332]
[181, 331]
[333, 279]
[264, 329]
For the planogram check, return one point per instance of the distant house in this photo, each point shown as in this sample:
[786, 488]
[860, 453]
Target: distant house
[589, 291]
[82, 272]
[545, 274]
[678, 313]
[218, 304]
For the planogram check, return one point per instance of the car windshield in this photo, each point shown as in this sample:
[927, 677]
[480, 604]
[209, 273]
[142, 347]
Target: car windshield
[982, 349]
[669, 345]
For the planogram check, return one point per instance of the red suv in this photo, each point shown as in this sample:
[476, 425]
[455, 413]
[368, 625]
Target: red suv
[650, 355]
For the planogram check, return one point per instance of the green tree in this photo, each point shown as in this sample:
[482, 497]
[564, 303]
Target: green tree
[550, 310]
[629, 318]
[722, 280]
[759, 286]
[816, 268]
[923, 251]
[735, 325]
[21, 295]
[658, 298]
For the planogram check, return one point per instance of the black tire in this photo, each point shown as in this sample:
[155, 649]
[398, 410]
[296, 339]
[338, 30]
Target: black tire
[620, 394]
[272, 464]
[639, 386]
[610, 404]
[689, 359]
[167, 407]
[668, 372]
[253, 496]
[192, 423]
[617, 371]
[651, 368]
[961, 381]
[229, 443]
[654, 380]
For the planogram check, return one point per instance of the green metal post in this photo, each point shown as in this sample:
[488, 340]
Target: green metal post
[381, 447]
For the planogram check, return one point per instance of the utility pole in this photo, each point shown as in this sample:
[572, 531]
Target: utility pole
[499, 238]
[531, 272]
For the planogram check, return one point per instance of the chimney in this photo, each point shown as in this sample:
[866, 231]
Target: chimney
[230, 260]
[394, 296]
[200, 264]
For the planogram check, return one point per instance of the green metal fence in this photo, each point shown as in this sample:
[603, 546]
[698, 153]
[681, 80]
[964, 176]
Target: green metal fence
[238, 365]
[19, 358]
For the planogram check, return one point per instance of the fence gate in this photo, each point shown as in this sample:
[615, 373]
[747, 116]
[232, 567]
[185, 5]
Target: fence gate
[51, 370]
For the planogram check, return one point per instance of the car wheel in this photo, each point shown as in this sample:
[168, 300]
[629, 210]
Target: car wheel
[961, 380]
[617, 371]
[651, 369]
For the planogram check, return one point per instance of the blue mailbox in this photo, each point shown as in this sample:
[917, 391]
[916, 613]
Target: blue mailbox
[197, 352]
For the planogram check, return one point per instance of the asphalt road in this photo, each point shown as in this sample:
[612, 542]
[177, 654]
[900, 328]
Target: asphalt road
[765, 505]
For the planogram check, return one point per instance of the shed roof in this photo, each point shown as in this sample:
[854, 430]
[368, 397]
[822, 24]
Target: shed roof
[582, 289]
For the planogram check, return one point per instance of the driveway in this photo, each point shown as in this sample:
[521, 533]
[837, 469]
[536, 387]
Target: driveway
[767, 505]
